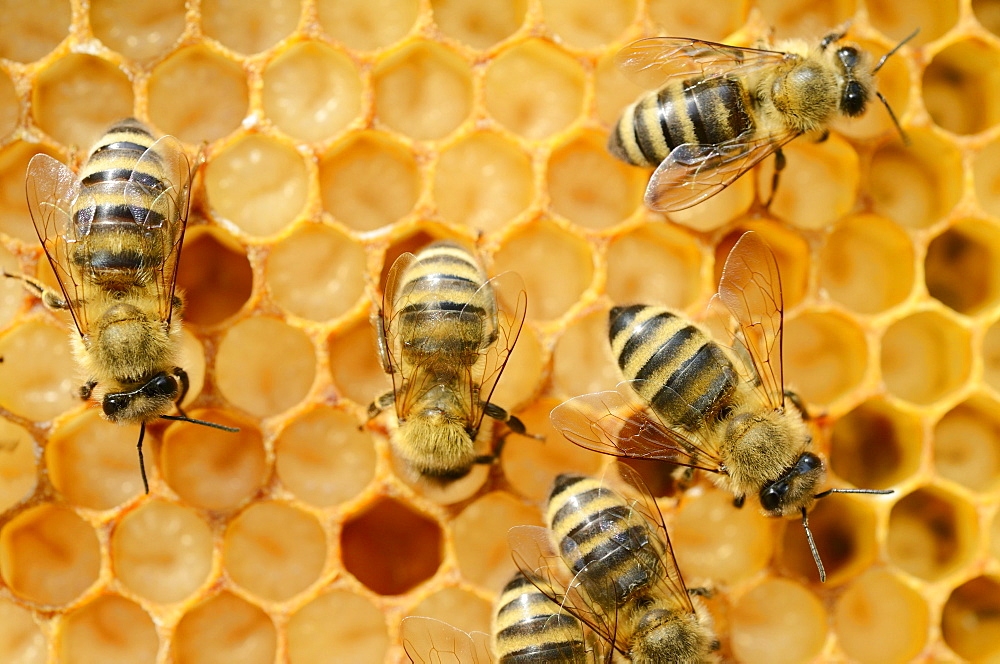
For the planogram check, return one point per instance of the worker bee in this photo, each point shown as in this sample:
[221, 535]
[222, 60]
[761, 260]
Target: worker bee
[693, 402]
[113, 237]
[720, 109]
[444, 342]
[607, 560]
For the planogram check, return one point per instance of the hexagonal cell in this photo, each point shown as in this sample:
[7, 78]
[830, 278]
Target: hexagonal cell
[802, 18]
[961, 266]
[258, 184]
[29, 31]
[987, 12]
[225, 628]
[215, 275]
[587, 24]
[322, 458]
[369, 181]
[876, 445]
[354, 363]
[925, 356]
[917, 184]
[613, 90]
[991, 356]
[210, 468]
[540, 252]
[367, 24]
[683, 19]
[654, 264]
[38, 371]
[391, 548]
[932, 533]
[18, 468]
[483, 181]
[483, 554]
[582, 360]
[316, 272]
[192, 359]
[823, 377]
[456, 607]
[590, 187]
[138, 30]
[778, 622]
[108, 629]
[15, 220]
[337, 627]
[970, 620]
[968, 69]
[311, 91]
[9, 105]
[522, 376]
[162, 551]
[62, 98]
[995, 537]
[249, 27]
[198, 95]
[881, 619]
[21, 640]
[867, 264]
[423, 90]
[790, 250]
[534, 89]
[967, 444]
[935, 17]
[986, 174]
[49, 555]
[818, 186]
[274, 550]
[452, 492]
[478, 24]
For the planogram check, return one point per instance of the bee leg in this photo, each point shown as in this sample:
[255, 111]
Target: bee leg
[823, 136]
[798, 403]
[87, 389]
[779, 165]
[738, 502]
[380, 404]
[513, 423]
[50, 298]
[686, 478]
[701, 592]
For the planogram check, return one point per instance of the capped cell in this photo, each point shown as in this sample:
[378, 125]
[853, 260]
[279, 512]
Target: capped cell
[21, 640]
[138, 30]
[925, 356]
[30, 30]
[108, 629]
[483, 553]
[590, 24]
[820, 376]
[338, 626]
[967, 444]
[18, 469]
[932, 533]
[367, 24]
[970, 620]
[225, 628]
[478, 24]
[39, 372]
[876, 445]
[966, 70]
[778, 622]
[249, 27]
[961, 266]
[655, 264]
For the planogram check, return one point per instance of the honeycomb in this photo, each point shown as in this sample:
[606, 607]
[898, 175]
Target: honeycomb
[338, 134]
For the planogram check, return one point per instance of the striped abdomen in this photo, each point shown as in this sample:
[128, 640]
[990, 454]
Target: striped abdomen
[528, 627]
[700, 111]
[684, 369]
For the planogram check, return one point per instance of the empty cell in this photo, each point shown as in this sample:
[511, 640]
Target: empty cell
[337, 628]
[197, 95]
[18, 467]
[819, 375]
[591, 188]
[655, 264]
[192, 360]
[967, 444]
[682, 19]
[214, 275]
[39, 373]
[31, 30]
[225, 628]
[818, 186]
[805, 19]
[482, 552]
[249, 27]
[21, 640]
[367, 24]
[484, 181]
[534, 89]
[523, 373]
[778, 622]
[970, 620]
[916, 184]
[991, 356]
[867, 264]
[925, 356]
[323, 458]
[9, 105]
[896, 21]
[354, 363]
[63, 98]
[960, 87]
[582, 360]
[369, 181]
[391, 548]
[460, 608]
[108, 629]
[932, 533]
[311, 91]
[210, 468]
[613, 91]
[162, 551]
[590, 24]
[138, 30]
[960, 267]
[455, 491]
[844, 530]
[15, 220]
[12, 293]
[790, 250]
[257, 183]
[876, 445]
[987, 12]
[880, 620]
[478, 24]
[721, 209]
[986, 174]
[423, 90]
[48, 555]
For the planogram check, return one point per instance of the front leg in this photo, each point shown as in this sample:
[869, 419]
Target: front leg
[87, 389]
[384, 401]
[50, 298]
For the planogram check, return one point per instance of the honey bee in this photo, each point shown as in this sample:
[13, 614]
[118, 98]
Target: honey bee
[113, 236]
[693, 402]
[719, 109]
[607, 560]
[445, 343]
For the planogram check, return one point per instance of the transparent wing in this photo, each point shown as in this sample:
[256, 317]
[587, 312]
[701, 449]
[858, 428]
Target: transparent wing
[430, 641]
[621, 423]
[390, 344]
[694, 172]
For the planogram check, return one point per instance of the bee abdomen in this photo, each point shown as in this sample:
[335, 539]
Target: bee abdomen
[530, 627]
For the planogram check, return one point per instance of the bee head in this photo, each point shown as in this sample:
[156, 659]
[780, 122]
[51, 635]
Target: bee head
[150, 400]
[795, 488]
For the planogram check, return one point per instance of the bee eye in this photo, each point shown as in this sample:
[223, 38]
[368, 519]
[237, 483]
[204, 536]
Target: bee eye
[808, 461]
[161, 386]
[848, 56]
[115, 403]
[854, 99]
[771, 496]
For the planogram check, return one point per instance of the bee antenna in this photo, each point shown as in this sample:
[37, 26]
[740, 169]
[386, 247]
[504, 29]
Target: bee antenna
[894, 49]
[899, 128]
[812, 547]
[826, 493]
[178, 418]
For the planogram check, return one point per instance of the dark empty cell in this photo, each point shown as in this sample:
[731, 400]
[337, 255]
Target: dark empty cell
[412, 244]
[931, 533]
[215, 276]
[660, 476]
[390, 548]
[988, 14]
[844, 529]
[875, 445]
[970, 621]
[961, 266]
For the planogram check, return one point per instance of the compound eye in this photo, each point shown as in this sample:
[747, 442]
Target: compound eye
[162, 386]
[854, 99]
[809, 461]
[115, 403]
[848, 56]
[771, 496]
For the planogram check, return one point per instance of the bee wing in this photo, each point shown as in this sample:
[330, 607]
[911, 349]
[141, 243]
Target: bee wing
[621, 423]
[52, 190]
[390, 345]
[158, 193]
[694, 172]
[655, 61]
[430, 641]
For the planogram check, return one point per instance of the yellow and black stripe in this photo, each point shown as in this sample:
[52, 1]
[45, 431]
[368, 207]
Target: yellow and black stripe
[529, 627]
